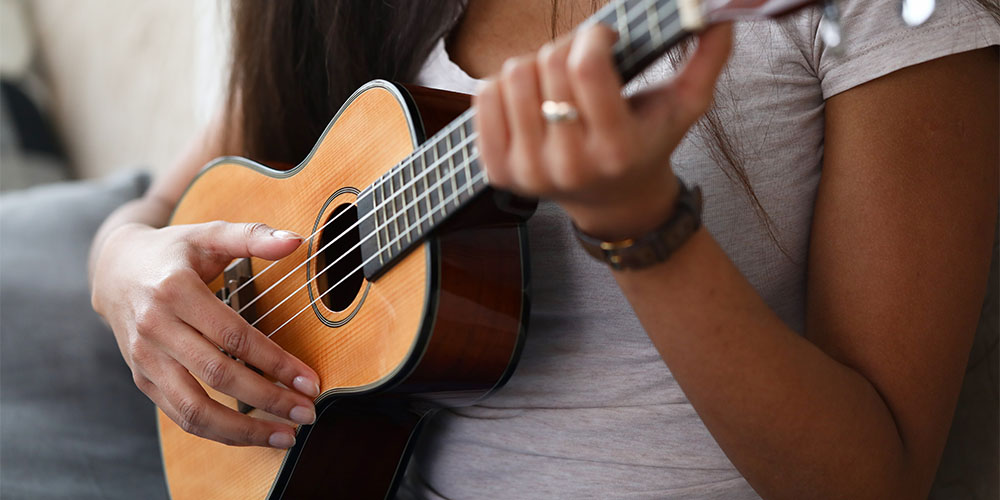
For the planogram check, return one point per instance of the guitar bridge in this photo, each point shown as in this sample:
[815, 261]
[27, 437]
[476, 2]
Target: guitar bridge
[234, 293]
[238, 295]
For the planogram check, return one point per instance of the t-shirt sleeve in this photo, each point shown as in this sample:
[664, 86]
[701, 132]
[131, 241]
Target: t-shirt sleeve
[877, 42]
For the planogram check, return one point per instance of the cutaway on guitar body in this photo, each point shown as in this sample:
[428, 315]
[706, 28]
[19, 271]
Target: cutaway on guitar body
[441, 325]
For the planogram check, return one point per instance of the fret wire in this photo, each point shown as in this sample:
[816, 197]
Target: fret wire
[627, 33]
[385, 210]
[392, 206]
[665, 12]
[413, 190]
[653, 22]
[440, 186]
[425, 174]
[468, 171]
[645, 49]
[459, 156]
[624, 37]
[637, 15]
[451, 165]
[432, 172]
[378, 234]
[435, 168]
[445, 201]
[396, 208]
[442, 202]
[637, 18]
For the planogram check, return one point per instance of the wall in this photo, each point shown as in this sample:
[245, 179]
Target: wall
[131, 81]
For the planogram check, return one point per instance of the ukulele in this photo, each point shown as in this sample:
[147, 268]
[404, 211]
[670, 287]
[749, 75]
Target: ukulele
[409, 295]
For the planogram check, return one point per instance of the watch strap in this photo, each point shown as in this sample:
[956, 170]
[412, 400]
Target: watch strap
[655, 246]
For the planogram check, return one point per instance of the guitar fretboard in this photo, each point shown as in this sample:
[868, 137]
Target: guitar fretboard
[444, 174]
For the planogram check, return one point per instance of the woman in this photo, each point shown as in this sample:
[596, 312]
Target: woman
[808, 342]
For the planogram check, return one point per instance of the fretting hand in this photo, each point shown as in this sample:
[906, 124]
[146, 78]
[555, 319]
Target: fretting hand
[609, 165]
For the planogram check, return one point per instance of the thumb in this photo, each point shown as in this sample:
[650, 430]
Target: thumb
[688, 95]
[226, 241]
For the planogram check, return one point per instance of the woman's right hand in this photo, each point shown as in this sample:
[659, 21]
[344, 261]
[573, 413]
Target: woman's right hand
[150, 285]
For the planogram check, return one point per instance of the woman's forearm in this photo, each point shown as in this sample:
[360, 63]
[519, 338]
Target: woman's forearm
[795, 422]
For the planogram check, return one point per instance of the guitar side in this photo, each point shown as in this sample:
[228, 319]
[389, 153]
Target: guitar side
[442, 327]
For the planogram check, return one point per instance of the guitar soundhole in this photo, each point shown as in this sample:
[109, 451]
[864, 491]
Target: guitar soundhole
[345, 273]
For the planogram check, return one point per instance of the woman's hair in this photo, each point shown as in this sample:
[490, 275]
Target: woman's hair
[295, 62]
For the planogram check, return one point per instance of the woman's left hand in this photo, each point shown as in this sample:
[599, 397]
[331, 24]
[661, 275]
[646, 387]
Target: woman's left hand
[609, 168]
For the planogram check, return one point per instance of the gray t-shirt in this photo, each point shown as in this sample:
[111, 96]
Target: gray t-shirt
[592, 411]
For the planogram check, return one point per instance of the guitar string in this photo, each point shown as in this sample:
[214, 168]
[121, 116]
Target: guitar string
[421, 149]
[630, 16]
[310, 304]
[442, 179]
[635, 56]
[430, 212]
[642, 6]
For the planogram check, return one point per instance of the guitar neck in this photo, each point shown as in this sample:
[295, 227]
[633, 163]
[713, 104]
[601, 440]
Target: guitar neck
[444, 174]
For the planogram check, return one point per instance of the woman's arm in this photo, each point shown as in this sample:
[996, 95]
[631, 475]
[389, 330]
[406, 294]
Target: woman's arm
[148, 282]
[901, 240]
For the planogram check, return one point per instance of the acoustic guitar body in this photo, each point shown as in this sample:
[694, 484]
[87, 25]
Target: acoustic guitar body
[443, 326]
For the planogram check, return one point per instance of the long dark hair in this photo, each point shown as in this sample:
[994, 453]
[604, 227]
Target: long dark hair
[295, 62]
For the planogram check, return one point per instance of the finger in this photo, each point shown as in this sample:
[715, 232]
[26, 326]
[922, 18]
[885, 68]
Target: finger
[694, 86]
[493, 133]
[522, 105]
[204, 312]
[228, 376]
[552, 72]
[564, 139]
[227, 240]
[596, 83]
[189, 406]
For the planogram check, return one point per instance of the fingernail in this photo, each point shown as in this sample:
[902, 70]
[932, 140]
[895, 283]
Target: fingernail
[281, 440]
[285, 235]
[306, 386]
[302, 415]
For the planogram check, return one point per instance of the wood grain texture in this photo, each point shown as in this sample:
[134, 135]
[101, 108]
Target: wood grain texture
[370, 136]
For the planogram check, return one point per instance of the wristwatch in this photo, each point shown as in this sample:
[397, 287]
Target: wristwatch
[655, 246]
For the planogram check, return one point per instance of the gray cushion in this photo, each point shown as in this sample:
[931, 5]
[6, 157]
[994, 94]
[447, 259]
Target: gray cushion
[72, 424]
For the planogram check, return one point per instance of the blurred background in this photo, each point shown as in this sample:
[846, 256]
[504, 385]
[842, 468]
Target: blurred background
[94, 87]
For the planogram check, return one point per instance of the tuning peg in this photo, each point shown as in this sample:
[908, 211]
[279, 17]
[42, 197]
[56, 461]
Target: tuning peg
[829, 25]
[915, 12]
